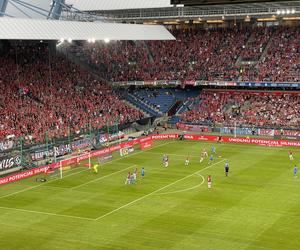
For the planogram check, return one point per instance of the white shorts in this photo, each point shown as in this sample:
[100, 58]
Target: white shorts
[291, 157]
[187, 162]
[209, 184]
[166, 164]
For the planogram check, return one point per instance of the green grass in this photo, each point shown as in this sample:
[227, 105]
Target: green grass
[256, 207]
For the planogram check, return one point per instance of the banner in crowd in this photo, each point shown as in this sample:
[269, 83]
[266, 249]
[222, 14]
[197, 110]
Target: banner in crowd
[105, 138]
[6, 145]
[10, 162]
[130, 144]
[51, 152]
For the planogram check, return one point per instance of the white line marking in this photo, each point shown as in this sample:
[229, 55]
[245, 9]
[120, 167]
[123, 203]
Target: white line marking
[29, 188]
[26, 189]
[156, 191]
[102, 177]
[175, 154]
[185, 190]
[46, 213]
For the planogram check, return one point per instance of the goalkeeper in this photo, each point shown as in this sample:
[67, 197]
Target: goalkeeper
[95, 168]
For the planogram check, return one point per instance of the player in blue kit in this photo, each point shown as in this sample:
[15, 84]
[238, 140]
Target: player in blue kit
[211, 159]
[213, 149]
[226, 168]
[142, 172]
[295, 170]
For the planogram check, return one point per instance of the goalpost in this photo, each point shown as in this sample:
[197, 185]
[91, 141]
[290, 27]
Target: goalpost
[68, 168]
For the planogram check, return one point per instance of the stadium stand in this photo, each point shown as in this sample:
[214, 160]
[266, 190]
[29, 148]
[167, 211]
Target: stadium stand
[53, 96]
[163, 99]
[52, 100]
[246, 108]
[215, 54]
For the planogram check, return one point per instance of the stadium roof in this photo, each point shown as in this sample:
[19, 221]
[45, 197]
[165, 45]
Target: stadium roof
[212, 2]
[118, 4]
[34, 29]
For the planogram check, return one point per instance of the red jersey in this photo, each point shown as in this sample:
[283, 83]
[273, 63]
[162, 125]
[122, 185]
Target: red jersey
[209, 178]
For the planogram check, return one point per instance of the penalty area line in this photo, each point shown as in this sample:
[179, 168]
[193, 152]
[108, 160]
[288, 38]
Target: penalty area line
[186, 189]
[46, 213]
[154, 192]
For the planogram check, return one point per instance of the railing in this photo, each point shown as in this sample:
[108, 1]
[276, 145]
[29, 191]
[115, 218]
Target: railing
[246, 130]
[172, 83]
[237, 11]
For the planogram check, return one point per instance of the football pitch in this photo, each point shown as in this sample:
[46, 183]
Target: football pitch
[256, 207]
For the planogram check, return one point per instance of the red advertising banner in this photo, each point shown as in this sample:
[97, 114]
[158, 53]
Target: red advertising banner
[201, 137]
[165, 136]
[23, 175]
[146, 144]
[255, 141]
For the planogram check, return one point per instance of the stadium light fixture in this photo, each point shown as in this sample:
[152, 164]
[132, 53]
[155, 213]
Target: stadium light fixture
[93, 40]
[215, 21]
[278, 12]
[61, 40]
[247, 19]
[106, 40]
[69, 40]
[295, 18]
[288, 12]
[283, 12]
[293, 11]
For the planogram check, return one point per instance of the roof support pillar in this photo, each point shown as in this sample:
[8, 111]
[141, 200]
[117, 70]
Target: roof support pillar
[56, 9]
[3, 5]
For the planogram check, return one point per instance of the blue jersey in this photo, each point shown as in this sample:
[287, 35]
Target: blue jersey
[295, 170]
[143, 172]
[213, 150]
[211, 158]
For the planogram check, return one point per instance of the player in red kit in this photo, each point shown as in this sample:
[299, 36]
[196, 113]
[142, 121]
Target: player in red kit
[209, 180]
[187, 161]
[128, 178]
[291, 155]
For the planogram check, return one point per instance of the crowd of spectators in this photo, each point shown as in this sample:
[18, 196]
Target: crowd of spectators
[270, 109]
[45, 93]
[256, 44]
[197, 54]
[282, 61]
